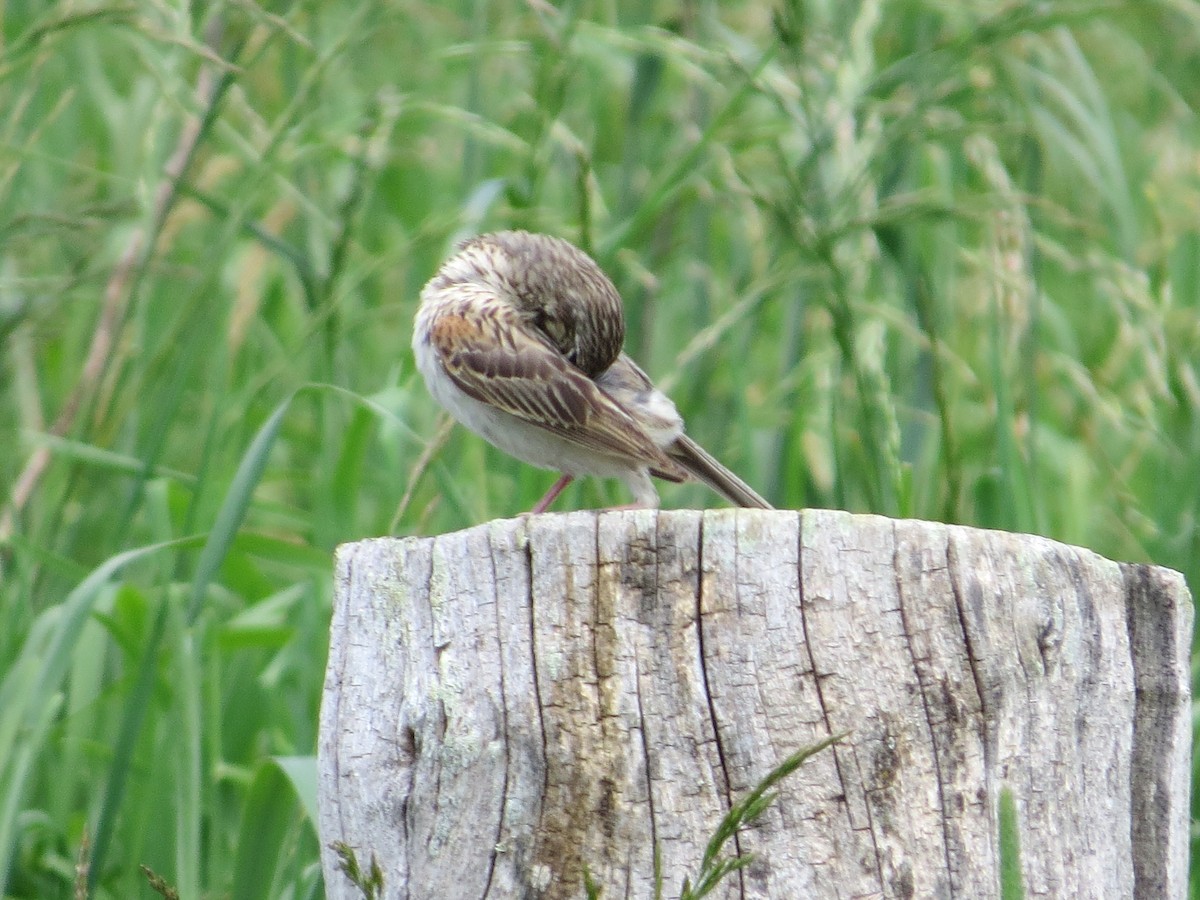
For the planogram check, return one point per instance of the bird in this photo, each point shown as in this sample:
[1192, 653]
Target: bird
[520, 337]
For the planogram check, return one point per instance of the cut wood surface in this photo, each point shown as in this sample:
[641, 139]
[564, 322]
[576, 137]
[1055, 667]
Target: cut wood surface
[512, 704]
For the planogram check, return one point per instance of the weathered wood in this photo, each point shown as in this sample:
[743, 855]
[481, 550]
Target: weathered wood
[508, 705]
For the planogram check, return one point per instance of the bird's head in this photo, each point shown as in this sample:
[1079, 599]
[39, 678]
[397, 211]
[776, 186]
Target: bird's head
[557, 289]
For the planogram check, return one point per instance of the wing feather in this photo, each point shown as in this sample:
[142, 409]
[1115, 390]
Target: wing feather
[524, 375]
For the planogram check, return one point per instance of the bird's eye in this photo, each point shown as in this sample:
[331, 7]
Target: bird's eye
[555, 329]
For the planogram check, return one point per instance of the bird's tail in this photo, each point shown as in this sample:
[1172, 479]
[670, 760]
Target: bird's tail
[706, 468]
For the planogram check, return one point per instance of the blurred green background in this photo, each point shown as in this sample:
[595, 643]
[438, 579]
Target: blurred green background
[922, 258]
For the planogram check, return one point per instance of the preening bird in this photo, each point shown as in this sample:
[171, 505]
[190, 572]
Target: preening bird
[519, 336]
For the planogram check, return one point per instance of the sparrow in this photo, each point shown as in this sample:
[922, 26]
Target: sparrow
[519, 336]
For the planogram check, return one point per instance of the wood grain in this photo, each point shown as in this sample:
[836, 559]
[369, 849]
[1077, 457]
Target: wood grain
[510, 704]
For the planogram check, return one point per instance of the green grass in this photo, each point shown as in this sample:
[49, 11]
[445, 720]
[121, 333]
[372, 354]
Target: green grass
[922, 258]
[1009, 842]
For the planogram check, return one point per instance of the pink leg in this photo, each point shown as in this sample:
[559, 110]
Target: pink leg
[552, 494]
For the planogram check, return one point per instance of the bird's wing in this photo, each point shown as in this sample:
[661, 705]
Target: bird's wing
[512, 368]
[631, 388]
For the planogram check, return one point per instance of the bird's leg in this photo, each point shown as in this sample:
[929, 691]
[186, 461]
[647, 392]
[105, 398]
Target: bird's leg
[552, 494]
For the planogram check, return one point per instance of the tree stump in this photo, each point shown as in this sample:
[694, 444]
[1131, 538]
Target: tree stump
[512, 704]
